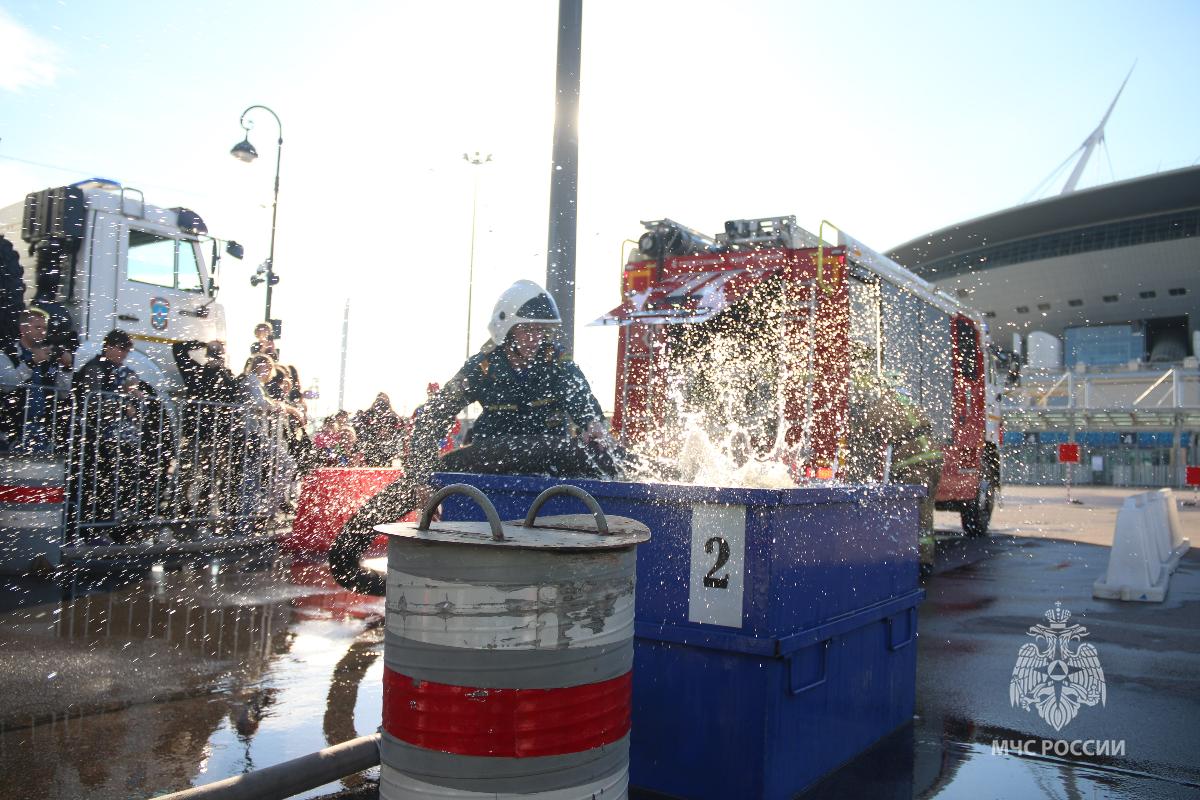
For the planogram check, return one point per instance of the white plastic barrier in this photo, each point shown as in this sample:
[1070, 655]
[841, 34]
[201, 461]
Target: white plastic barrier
[1147, 545]
[1168, 532]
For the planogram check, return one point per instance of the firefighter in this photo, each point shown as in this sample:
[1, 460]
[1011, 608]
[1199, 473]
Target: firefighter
[539, 418]
[891, 439]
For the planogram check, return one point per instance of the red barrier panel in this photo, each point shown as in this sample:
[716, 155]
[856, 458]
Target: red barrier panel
[329, 497]
[1193, 476]
[329, 600]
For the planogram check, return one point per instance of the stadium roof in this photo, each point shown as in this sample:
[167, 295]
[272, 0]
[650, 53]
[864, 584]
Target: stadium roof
[1148, 195]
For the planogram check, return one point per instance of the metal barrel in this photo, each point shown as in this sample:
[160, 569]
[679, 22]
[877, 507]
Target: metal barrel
[508, 659]
[31, 512]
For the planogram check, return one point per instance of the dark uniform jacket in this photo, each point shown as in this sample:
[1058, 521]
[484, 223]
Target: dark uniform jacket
[549, 398]
[99, 375]
[210, 381]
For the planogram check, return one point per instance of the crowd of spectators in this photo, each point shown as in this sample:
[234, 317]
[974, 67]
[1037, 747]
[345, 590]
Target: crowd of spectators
[374, 437]
[229, 447]
[257, 417]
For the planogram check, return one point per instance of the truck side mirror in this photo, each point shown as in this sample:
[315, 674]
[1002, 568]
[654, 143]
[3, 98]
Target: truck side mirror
[234, 249]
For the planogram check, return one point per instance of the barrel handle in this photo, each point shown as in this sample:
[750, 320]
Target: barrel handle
[574, 491]
[480, 499]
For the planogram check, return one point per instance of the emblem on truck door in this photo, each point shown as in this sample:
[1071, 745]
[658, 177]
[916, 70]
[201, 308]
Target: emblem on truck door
[160, 314]
[1057, 673]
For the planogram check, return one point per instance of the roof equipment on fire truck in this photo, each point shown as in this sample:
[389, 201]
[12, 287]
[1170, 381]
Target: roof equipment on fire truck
[766, 232]
[666, 237]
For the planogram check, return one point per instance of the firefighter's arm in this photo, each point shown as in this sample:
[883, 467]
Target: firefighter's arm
[578, 399]
[183, 359]
[431, 425]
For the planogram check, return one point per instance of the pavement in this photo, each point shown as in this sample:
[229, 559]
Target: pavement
[983, 597]
[1042, 512]
[213, 675]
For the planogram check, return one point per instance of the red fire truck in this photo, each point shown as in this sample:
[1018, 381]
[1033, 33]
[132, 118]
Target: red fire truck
[764, 318]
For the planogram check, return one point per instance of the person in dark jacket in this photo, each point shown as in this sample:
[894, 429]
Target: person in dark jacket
[95, 391]
[32, 415]
[143, 458]
[539, 418]
[210, 440]
[12, 290]
[105, 372]
[378, 428]
[211, 381]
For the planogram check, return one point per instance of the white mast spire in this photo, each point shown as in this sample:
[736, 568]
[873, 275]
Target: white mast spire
[1096, 137]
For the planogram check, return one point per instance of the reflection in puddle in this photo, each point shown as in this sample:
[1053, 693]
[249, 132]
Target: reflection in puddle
[181, 678]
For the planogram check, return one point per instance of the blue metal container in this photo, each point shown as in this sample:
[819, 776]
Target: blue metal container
[775, 629]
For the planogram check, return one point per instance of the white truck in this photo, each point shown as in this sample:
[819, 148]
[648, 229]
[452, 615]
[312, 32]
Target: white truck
[97, 257]
[114, 261]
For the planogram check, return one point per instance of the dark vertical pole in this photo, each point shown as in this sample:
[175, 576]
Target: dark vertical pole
[564, 171]
[274, 213]
[345, 346]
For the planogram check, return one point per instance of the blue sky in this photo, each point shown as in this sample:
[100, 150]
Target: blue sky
[889, 119]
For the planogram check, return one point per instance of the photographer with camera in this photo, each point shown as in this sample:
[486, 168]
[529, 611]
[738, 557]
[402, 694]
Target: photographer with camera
[43, 368]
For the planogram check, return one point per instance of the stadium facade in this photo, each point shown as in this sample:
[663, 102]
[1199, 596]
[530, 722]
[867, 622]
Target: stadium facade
[1094, 296]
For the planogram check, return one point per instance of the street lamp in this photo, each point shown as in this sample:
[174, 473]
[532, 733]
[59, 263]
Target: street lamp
[244, 151]
[477, 161]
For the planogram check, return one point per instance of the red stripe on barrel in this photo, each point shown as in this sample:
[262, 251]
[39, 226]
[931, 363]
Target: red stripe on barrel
[506, 723]
[31, 494]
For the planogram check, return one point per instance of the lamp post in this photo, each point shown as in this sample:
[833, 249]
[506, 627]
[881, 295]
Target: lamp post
[244, 151]
[477, 161]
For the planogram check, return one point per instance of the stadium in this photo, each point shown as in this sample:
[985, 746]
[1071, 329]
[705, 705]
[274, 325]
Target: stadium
[1093, 299]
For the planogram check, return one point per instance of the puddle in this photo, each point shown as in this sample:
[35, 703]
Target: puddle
[135, 688]
[180, 679]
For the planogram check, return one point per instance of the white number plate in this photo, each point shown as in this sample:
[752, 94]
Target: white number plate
[718, 565]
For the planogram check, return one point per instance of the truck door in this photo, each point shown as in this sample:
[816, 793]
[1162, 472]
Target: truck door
[161, 295]
[970, 385]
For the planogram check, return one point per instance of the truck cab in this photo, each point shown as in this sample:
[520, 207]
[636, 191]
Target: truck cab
[113, 261]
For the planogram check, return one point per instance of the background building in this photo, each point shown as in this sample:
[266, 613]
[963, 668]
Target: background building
[1095, 296]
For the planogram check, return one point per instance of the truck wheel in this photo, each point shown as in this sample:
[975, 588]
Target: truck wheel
[977, 515]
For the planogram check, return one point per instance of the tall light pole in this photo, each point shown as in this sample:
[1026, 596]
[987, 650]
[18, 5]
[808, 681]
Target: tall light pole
[564, 172]
[345, 347]
[244, 151]
[476, 161]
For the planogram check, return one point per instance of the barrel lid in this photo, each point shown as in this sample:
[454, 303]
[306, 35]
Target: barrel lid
[561, 532]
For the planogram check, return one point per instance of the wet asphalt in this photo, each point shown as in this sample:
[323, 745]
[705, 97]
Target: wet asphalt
[972, 625]
[133, 687]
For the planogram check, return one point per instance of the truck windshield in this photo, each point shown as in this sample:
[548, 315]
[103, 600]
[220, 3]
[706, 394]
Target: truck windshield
[188, 271]
[163, 261]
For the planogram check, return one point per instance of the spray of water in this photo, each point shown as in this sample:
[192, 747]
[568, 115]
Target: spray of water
[723, 424]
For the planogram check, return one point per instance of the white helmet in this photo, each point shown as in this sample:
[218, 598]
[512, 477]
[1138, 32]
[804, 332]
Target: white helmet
[522, 302]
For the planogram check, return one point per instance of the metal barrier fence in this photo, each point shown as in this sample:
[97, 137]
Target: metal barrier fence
[134, 465]
[1018, 467]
